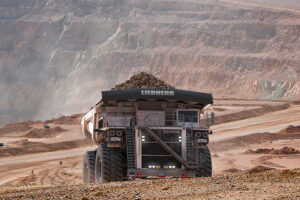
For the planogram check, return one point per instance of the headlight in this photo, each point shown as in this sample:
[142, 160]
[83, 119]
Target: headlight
[119, 133]
[201, 134]
[111, 133]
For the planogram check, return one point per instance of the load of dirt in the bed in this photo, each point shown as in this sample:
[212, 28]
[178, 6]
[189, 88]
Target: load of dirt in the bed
[143, 80]
[284, 150]
[44, 133]
[291, 129]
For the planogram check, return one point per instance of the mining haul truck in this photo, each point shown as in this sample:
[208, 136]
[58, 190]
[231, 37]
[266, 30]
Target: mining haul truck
[148, 133]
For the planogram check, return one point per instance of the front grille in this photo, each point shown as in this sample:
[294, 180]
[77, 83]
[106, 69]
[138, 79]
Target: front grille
[154, 154]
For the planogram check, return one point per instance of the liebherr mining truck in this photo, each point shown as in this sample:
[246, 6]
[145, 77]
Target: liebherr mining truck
[148, 133]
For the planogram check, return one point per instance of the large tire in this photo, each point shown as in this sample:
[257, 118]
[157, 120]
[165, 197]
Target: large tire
[204, 162]
[88, 170]
[110, 164]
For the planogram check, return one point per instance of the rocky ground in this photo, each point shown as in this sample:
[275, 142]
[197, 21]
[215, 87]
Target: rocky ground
[264, 185]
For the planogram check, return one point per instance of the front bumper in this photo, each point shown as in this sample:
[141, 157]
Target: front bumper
[161, 172]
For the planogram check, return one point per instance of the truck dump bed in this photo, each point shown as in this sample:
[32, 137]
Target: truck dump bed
[171, 95]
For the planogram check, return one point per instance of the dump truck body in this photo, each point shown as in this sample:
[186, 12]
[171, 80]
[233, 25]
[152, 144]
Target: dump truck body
[153, 132]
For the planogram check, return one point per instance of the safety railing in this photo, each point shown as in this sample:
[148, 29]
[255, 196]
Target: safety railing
[159, 120]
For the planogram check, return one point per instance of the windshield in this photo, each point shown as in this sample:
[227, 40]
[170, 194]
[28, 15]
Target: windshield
[187, 116]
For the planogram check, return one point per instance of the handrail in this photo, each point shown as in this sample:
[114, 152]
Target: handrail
[158, 120]
[167, 148]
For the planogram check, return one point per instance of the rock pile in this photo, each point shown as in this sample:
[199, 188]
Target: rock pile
[44, 133]
[258, 169]
[291, 129]
[143, 80]
[284, 150]
[72, 119]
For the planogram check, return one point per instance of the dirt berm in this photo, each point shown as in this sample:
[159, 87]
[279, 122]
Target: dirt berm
[44, 132]
[282, 151]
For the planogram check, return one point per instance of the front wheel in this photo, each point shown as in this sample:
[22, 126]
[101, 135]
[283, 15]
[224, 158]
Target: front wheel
[204, 162]
[110, 164]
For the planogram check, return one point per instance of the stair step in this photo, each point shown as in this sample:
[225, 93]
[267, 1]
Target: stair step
[130, 148]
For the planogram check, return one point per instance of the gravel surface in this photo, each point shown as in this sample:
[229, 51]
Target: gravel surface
[272, 184]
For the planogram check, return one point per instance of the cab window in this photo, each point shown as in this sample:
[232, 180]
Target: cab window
[187, 116]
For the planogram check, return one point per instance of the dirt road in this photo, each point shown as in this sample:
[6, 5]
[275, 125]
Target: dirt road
[270, 122]
[16, 167]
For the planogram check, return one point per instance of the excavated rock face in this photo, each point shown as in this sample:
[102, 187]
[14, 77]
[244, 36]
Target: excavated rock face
[143, 80]
[56, 56]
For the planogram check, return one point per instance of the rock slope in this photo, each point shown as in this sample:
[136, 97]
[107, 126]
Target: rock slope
[56, 56]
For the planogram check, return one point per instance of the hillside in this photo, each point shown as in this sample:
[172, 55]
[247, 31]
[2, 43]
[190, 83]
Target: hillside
[56, 56]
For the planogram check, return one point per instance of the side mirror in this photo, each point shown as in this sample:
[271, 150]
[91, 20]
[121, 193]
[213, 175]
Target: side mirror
[212, 118]
[100, 123]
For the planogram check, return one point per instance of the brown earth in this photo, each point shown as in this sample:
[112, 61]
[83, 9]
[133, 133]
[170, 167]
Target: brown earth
[245, 141]
[28, 147]
[44, 132]
[249, 113]
[16, 127]
[284, 150]
[22, 142]
[35, 137]
[271, 122]
[232, 170]
[291, 129]
[270, 184]
[55, 172]
[259, 168]
[72, 119]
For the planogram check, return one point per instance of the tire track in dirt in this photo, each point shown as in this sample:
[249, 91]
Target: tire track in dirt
[44, 176]
[270, 122]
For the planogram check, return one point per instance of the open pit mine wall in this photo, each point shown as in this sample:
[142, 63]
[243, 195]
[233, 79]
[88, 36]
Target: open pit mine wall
[56, 56]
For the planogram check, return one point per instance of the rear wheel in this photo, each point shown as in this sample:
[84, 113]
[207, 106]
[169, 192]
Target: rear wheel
[204, 162]
[88, 170]
[110, 164]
